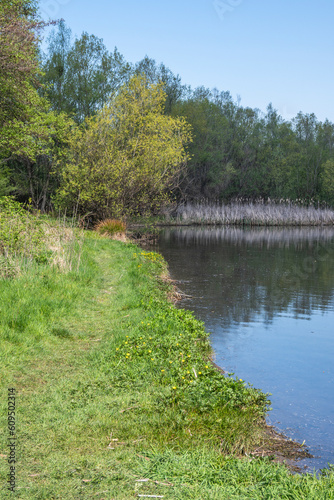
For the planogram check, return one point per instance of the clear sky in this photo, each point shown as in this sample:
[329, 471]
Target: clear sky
[279, 51]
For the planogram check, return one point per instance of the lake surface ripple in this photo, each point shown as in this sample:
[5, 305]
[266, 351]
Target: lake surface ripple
[267, 296]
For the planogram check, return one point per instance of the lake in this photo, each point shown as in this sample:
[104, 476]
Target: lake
[267, 297]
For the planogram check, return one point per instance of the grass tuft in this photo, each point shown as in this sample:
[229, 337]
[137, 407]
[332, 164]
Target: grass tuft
[110, 227]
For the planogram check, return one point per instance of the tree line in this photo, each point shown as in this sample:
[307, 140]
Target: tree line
[80, 127]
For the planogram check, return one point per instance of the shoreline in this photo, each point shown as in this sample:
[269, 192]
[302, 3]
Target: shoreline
[284, 449]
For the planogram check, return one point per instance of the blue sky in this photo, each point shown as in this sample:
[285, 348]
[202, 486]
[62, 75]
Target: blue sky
[275, 51]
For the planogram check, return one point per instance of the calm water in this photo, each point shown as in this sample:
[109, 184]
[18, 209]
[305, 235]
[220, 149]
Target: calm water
[267, 296]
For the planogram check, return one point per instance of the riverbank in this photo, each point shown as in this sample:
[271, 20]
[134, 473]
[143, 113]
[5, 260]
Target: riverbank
[116, 395]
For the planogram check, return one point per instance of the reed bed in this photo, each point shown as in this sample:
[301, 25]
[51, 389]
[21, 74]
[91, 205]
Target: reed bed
[254, 214]
[282, 237]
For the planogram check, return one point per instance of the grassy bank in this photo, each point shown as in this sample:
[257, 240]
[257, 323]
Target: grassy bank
[115, 392]
[254, 214]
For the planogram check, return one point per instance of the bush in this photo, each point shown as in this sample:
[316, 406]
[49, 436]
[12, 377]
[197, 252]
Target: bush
[21, 233]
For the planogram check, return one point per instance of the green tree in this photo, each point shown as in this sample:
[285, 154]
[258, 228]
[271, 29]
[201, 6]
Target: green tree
[55, 69]
[80, 78]
[20, 103]
[327, 181]
[172, 85]
[127, 158]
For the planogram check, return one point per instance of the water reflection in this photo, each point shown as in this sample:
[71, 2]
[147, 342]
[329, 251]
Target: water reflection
[268, 297]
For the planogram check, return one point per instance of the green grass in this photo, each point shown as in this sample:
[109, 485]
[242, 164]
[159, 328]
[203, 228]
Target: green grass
[114, 385]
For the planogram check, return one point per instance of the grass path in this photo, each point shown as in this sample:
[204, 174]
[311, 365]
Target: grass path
[115, 397]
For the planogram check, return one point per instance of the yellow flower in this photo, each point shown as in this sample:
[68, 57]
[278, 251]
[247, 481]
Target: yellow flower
[189, 356]
[174, 387]
[162, 370]
[199, 373]
[171, 361]
[240, 379]
[183, 361]
[117, 348]
[152, 359]
[188, 372]
[206, 366]
[183, 377]
[149, 351]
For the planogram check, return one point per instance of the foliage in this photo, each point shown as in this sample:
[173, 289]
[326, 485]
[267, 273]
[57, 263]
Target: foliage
[127, 158]
[21, 232]
[239, 152]
[79, 79]
[35, 177]
[20, 105]
[327, 180]
[27, 239]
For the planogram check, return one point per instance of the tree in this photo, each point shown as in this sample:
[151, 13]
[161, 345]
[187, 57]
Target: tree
[35, 177]
[172, 86]
[327, 180]
[126, 159]
[19, 66]
[55, 69]
[80, 78]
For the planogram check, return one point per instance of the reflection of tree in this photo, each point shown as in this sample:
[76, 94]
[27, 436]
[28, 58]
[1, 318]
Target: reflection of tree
[242, 273]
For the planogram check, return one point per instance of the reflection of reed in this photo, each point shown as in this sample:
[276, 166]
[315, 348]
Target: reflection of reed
[264, 237]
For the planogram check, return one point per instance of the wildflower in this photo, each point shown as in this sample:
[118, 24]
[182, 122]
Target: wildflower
[206, 366]
[189, 356]
[183, 361]
[149, 351]
[174, 387]
[162, 370]
[240, 379]
[199, 373]
[117, 349]
[171, 361]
